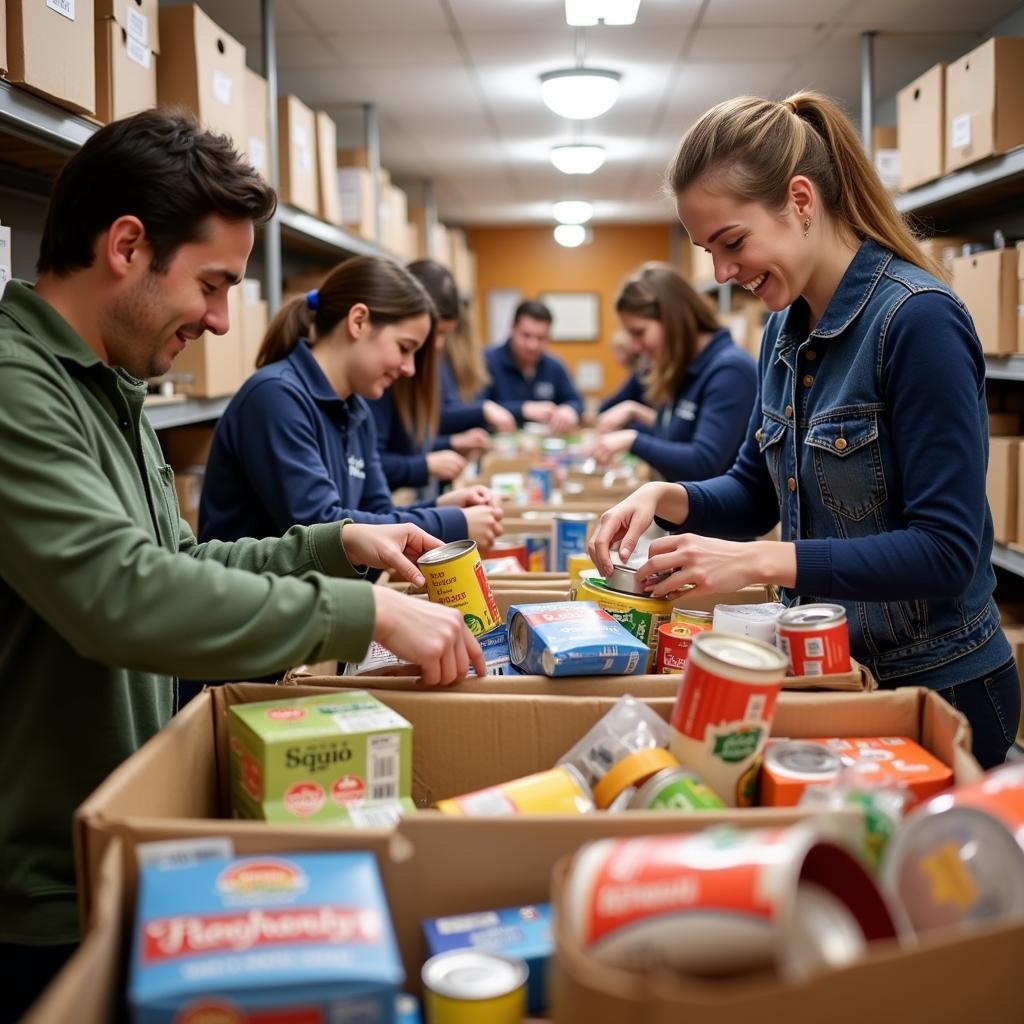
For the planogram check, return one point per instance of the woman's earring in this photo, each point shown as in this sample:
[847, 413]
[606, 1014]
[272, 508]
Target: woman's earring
[807, 226]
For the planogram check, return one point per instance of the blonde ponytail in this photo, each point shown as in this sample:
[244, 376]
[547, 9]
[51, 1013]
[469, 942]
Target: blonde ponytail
[758, 146]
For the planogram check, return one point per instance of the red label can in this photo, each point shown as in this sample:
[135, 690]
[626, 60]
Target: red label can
[674, 640]
[815, 638]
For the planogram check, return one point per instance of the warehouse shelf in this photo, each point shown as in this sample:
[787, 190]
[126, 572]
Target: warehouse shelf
[1008, 558]
[182, 414]
[1004, 367]
[986, 183]
[35, 119]
[311, 232]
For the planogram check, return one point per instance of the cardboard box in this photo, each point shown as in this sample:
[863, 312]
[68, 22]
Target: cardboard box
[394, 207]
[1001, 486]
[176, 786]
[985, 102]
[354, 158]
[886, 155]
[1015, 634]
[127, 45]
[920, 127]
[188, 489]
[254, 324]
[257, 121]
[202, 68]
[297, 154]
[944, 249]
[187, 446]
[51, 50]
[329, 205]
[1004, 424]
[215, 361]
[355, 197]
[987, 282]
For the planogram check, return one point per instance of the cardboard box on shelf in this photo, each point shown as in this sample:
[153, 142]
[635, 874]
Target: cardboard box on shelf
[1020, 316]
[187, 446]
[945, 248]
[354, 158]
[127, 45]
[987, 282]
[297, 154]
[394, 206]
[254, 324]
[329, 204]
[985, 102]
[920, 127]
[1001, 486]
[188, 489]
[886, 155]
[51, 51]
[1004, 424]
[418, 220]
[202, 68]
[257, 118]
[215, 361]
[355, 196]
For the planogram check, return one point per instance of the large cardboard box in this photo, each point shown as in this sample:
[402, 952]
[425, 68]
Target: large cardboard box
[987, 282]
[257, 122]
[202, 68]
[985, 102]
[296, 125]
[1001, 486]
[254, 324]
[329, 203]
[214, 362]
[920, 124]
[355, 196]
[177, 785]
[127, 45]
[51, 50]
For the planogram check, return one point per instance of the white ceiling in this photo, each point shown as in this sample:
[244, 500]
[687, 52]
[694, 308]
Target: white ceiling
[455, 82]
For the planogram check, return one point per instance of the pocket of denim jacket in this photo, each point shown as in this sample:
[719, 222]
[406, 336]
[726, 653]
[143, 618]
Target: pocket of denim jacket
[848, 464]
[769, 438]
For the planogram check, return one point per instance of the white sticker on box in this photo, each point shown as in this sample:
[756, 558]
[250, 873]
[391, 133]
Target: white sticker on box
[65, 7]
[300, 136]
[138, 26]
[961, 129]
[138, 53]
[257, 154]
[222, 88]
[183, 852]
[305, 160]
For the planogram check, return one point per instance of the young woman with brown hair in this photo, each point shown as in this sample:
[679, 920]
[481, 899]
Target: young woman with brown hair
[870, 441]
[700, 387]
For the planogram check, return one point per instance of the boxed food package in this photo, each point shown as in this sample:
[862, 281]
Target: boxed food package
[987, 282]
[297, 154]
[127, 44]
[920, 127]
[257, 116]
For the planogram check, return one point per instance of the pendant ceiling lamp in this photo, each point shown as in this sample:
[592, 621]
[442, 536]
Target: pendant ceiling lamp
[573, 211]
[580, 93]
[577, 159]
[570, 235]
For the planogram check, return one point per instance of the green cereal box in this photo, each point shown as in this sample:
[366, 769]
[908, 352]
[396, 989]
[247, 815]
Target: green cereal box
[339, 758]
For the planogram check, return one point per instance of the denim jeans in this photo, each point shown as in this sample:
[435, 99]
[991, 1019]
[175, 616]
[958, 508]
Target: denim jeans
[992, 706]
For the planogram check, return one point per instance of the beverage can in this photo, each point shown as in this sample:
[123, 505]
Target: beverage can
[569, 532]
[675, 789]
[815, 638]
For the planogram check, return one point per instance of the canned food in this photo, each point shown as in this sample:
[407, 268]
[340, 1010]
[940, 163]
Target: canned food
[674, 789]
[407, 1009]
[537, 547]
[790, 766]
[723, 714]
[958, 860]
[642, 616]
[633, 770]
[578, 564]
[561, 790]
[625, 580]
[754, 620]
[695, 620]
[541, 483]
[512, 545]
[815, 638]
[674, 642]
[455, 577]
[466, 986]
[724, 901]
[569, 532]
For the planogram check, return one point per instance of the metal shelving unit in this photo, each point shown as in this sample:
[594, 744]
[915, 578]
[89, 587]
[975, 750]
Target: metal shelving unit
[985, 184]
[1004, 367]
[1008, 558]
[182, 414]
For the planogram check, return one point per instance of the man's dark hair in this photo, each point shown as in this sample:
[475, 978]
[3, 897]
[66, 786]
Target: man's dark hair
[160, 166]
[534, 310]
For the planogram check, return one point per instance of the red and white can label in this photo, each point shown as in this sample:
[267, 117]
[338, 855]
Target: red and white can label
[824, 651]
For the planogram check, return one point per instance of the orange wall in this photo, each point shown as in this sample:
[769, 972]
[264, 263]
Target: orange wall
[529, 260]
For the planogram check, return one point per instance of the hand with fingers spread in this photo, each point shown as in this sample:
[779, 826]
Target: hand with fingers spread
[467, 497]
[431, 636]
[445, 464]
[612, 445]
[498, 417]
[471, 442]
[624, 523]
[712, 566]
[484, 524]
[393, 547]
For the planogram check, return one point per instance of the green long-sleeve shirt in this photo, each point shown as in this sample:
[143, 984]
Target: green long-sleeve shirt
[106, 597]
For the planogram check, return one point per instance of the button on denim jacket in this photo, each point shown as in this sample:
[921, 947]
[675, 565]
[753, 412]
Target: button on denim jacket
[832, 441]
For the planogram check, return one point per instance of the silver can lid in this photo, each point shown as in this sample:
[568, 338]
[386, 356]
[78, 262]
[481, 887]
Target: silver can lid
[824, 935]
[447, 552]
[574, 517]
[472, 975]
[798, 759]
[741, 652]
[812, 615]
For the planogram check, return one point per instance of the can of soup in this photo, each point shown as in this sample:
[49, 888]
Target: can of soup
[642, 616]
[674, 789]
[632, 771]
[723, 714]
[577, 565]
[674, 640]
[790, 766]
[537, 547]
[466, 986]
[692, 619]
[569, 537]
[512, 545]
[815, 638]
[561, 790]
[541, 481]
[455, 577]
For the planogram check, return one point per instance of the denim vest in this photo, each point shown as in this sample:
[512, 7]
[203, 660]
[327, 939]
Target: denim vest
[829, 451]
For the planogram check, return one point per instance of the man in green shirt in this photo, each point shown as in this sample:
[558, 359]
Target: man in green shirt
[105, 595]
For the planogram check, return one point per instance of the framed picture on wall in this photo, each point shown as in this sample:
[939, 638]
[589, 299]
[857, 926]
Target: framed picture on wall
[577, 315]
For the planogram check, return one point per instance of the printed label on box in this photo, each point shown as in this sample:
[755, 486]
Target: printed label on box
[138, 52]
[138, 27]
[65, 7]
[222, 88]
[258, 156]
[961, 130]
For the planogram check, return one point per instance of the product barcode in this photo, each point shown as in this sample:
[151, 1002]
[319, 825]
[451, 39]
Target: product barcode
[383, 791]
[812, 668]
[815, 648]
[375, 817]
[382, 767]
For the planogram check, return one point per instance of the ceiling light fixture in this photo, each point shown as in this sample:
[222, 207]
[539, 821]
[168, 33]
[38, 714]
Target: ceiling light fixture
[612, 12]
[570, 235]
[577, 159]
[580, 93]
[573, 211]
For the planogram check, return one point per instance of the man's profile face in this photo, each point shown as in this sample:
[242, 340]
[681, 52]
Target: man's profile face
[529, 341]
[157, 313]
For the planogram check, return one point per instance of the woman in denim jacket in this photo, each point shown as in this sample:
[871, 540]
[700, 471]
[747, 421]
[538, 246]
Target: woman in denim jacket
[869, 439]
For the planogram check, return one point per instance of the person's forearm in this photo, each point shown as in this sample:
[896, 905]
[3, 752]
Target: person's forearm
[774, 562]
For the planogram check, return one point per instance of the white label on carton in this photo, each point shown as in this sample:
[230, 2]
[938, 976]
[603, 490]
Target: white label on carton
[222, 88]
[183, 852]
[961, 127]
[258, 154]
[138, 52]
[138, 27]
[65, 7]
[305, 160]
[300, 137]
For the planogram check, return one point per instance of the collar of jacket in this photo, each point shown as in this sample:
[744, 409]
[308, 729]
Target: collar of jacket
[313, 379]
[717, 341]
[37, 317]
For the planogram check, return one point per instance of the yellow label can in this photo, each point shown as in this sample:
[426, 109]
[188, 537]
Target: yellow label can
[577, 564]
[455, 577]
[642, 616]
[561, 790]
[471, 986]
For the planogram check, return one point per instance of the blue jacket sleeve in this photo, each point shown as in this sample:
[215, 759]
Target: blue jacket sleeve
[933, 380]
[631, 391]
[402, 465]
[492, 392]
[721, 425]
[456, 415]
[565, 390]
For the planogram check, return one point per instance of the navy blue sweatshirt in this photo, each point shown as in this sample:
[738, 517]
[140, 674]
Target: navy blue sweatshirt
[697, 435]
[289, 451]
[634, 390]
[510, 387]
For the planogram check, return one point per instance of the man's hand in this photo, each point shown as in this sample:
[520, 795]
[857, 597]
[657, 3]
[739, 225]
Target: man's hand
[563, 419]
[538, 412]
[471, 442]
[484, 523]
[616, 443]
[445, 464]
[428, 635]
[467, 497]
[395, 547]
[498, 417]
